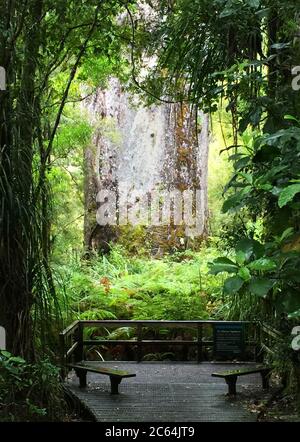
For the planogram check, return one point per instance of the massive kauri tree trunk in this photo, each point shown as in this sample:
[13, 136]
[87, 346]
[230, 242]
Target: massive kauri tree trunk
[141, 149]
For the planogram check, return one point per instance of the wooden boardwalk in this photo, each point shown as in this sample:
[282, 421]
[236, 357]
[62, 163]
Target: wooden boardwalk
[165, 392]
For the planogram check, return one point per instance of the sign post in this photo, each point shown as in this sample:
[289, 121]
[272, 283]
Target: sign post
[229, 340]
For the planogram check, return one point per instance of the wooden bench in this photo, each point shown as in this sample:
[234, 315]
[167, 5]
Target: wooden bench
[116, 376]
[232, 375]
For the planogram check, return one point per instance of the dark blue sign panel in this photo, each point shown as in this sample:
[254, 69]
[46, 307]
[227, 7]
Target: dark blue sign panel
[229, 340]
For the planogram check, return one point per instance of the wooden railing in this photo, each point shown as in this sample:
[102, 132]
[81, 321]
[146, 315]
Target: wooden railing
[73, 343]
[268, 336]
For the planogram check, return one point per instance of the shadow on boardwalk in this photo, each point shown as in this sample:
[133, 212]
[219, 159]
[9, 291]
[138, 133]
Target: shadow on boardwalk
[164, 392]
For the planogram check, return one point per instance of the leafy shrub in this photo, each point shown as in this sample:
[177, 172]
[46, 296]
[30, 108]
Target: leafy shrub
[263, 278]
[29, 391]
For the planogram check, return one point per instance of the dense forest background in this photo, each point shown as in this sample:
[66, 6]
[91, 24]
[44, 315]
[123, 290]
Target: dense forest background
[230, 60]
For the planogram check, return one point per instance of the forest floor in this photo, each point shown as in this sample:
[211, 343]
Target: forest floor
[269, 406]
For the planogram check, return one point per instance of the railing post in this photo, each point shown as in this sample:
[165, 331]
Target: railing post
[199, 343]
[256, 339]
[139, 342]
[79, 353]
[259, 357]
[62, 356]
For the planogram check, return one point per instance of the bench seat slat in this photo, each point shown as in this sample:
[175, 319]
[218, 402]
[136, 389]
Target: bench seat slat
[240, 372]
[102, 370]
[115, 376]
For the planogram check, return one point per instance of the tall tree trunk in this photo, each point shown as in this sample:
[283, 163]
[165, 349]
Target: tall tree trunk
[17, 134]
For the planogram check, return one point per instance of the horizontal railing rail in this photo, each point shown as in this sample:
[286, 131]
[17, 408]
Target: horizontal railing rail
[69, 344]
[133, 323]
[73, 342]
[69, 330]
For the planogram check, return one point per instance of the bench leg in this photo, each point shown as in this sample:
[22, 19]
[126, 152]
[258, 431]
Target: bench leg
[114, 384]
[265, 375]
[82, 377]
[231, 382]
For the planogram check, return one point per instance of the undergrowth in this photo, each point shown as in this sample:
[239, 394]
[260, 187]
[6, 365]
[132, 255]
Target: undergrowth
[119, 286]
[29, 391]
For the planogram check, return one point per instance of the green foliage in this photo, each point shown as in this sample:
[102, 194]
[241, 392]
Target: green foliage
[287, 194]
[264, 180]
[29, 391]
[209, 50]
[66, 177]
[47, 49]
[205, 51]
[265, 272]
[273, 166]
[124, 287]
[219, 173]
[224, 265]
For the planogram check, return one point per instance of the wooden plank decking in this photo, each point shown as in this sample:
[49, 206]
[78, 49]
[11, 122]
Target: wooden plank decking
[165, 392]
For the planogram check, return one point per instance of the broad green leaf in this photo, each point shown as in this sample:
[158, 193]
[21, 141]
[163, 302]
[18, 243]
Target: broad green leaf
[242, 163]
[233, 285]
[268, 177]
[263, 265]
[260, 286]
[232, 202]
[17, 359]
[245, 246]
[247, 177]
[6, 354]
[236, 200]
[288, 194]
[294, 315]
[266, 187]
[223, 265]
[286, 234]
[250, 247]
[12, 369]
[240, 257]
[291, 118]
[245, 274]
